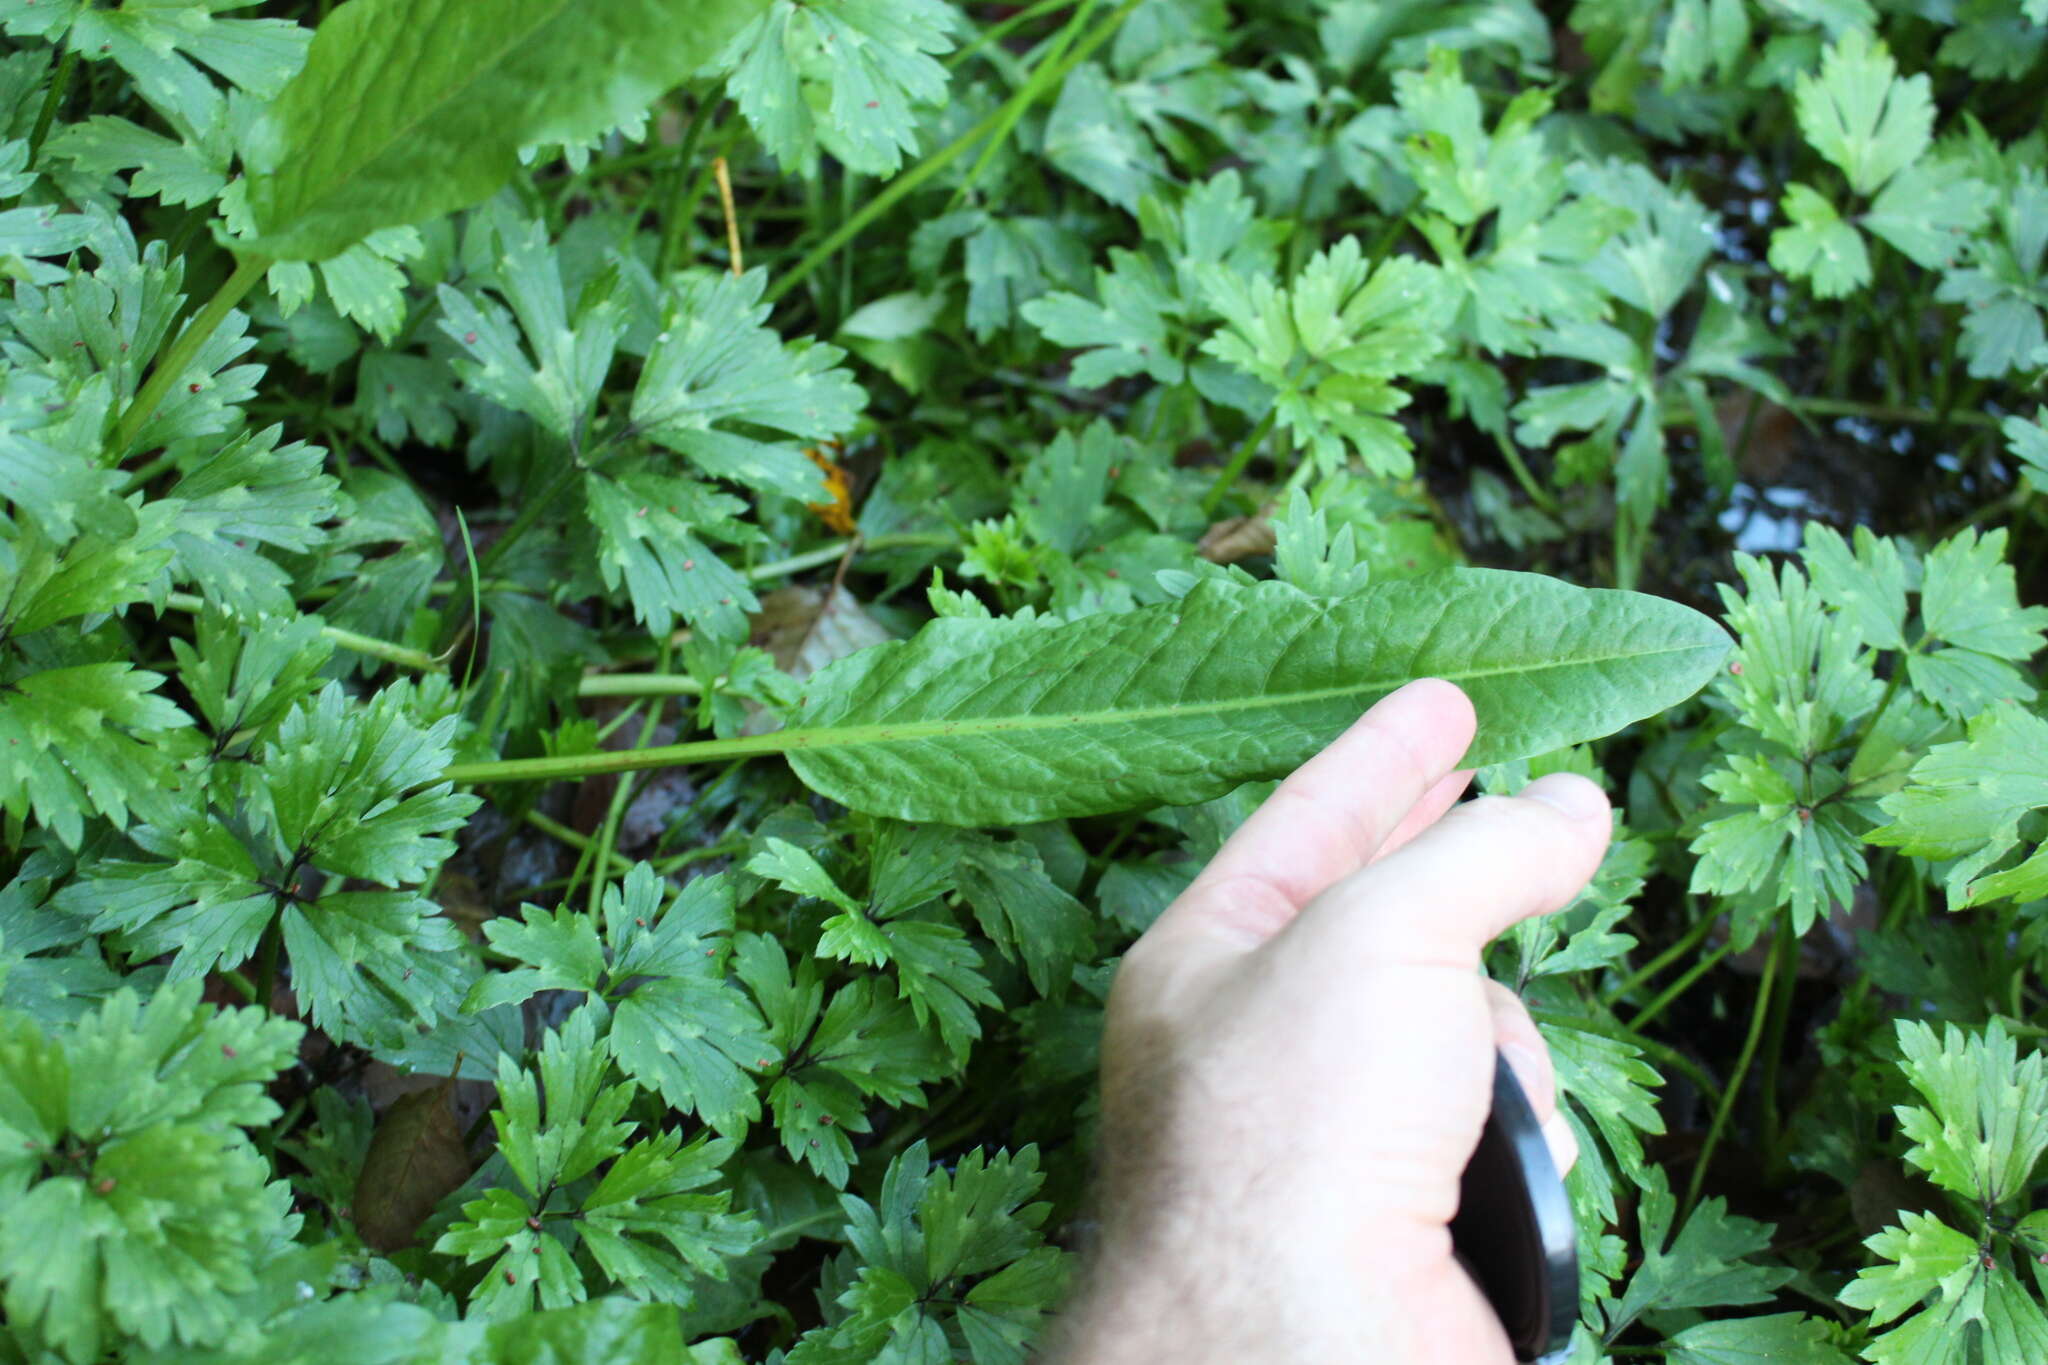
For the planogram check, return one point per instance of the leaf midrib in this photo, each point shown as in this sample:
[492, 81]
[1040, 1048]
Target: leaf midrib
[310, 202]
[835, 737]
[823, 738]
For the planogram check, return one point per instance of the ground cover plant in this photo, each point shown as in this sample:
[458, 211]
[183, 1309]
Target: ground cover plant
[574, 771]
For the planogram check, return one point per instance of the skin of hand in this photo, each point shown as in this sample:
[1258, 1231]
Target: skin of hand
[1297, 1061]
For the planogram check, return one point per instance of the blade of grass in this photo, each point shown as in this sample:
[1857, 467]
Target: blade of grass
[1033, 88]
[904, 184]
[995, 33]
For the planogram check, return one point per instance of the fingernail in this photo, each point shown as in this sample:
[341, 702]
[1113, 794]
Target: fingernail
[1576, 796]
[1564, 1148]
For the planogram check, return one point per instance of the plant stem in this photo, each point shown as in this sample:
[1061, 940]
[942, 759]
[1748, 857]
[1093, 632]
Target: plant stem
[1034, 86]
[555, 829]
[1657, 1051]
[1786, 950]
[60, 85]
[608, 833]
[821, 1217]
[149, 471]
[599, 684]
[1992, 511]
[685, 209]
[1733, 1092]
[531, 510]
[1538, 494]
[924, 170]
[638, 685]
[1238, 460]
[1679, 987]
[995, 33]
[626, 761]
[667, 866]
[1678, 1061]
[347, 639]
[1886, 412]
[172, 366]
[1686, 943]
[832, 551]
[626, 163]
[680, 208]
[266, 961]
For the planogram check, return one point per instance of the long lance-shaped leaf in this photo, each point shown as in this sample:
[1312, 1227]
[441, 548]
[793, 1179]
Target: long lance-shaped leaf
[1004, 722]
[411, 108]
[999, 723]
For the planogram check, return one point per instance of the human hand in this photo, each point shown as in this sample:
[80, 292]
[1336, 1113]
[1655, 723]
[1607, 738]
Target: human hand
[1298, 1060]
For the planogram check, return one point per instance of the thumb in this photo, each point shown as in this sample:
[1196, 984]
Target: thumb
[1441, 898]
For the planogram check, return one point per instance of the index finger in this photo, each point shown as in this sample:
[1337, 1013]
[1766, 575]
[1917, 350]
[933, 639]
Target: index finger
[1334, 813]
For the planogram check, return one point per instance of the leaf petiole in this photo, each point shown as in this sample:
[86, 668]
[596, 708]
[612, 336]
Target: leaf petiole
[191, 341]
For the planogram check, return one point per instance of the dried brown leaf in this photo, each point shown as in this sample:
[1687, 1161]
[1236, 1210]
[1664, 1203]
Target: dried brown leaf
[803, 630]
[416, 1157]
[462, 900]
[1763, 438]
[1237, 538]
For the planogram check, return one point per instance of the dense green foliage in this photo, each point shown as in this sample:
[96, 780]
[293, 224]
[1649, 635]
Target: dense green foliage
[611, 613]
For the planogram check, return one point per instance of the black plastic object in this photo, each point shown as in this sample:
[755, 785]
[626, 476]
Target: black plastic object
[1514, 1228]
